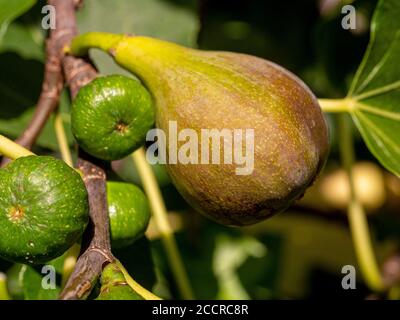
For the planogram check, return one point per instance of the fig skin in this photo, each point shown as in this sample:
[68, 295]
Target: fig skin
[44, 209]
[129, 213]
[223, 90]
[111, 116]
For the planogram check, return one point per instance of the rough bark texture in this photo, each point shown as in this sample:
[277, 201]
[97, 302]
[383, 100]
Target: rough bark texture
[96, 250]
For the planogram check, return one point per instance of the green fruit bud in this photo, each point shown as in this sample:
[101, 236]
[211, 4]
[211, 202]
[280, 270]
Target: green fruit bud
[43, 209]
[111, 116]
[129, 213]
[114, 285]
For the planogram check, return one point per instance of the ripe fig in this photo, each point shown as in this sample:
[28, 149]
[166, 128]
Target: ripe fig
[226, 91]
[111, 116]
[129, 213]
[43, 209]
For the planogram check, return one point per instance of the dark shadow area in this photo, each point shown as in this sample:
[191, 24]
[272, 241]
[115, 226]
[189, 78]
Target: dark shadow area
[20, 84]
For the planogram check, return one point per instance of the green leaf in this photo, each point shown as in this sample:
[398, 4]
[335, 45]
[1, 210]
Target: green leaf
[157, 18]
[114, 285]
[9, 10]
[27, 41]
[33, 286]
[374, 96]
[25, 282]
[230, 253]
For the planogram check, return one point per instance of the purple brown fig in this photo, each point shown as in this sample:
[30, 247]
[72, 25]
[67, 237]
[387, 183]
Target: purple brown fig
[222, 90]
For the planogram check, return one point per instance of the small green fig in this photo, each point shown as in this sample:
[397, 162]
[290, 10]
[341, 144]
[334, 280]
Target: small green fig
[223, 91]
[43, 209]
[114, 285]
[111, 116]
[129, 213]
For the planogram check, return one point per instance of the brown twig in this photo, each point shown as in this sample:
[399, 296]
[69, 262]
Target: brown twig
[96, 250]
[53, 80]
[49, 96]
[77, 72]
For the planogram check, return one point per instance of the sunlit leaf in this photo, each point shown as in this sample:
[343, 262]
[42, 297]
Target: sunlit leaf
[375, 92]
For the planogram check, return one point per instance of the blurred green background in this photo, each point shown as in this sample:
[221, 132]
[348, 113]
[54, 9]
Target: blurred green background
[297, 254]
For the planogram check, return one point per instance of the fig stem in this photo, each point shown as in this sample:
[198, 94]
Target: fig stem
[136, 286]
[336, 105]
[62, 139]
[356, 215]
[12, 150]
[81, 44]
[160, 215]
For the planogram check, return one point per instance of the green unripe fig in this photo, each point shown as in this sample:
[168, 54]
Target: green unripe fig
[129, 213]
[228, 91]
[111, 116]
[114, 285]
[43, 209]
[15, 286]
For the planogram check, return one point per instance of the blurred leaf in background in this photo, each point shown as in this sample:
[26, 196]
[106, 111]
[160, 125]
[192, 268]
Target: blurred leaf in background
[24, 40]
[26, 282]
[33, 288]
[229, 255]
[11, 10]
[21, 65]
[158, 18]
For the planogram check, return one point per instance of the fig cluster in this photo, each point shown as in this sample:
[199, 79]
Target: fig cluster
[44, 203]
